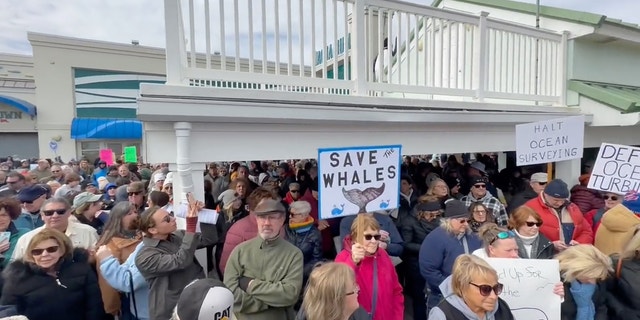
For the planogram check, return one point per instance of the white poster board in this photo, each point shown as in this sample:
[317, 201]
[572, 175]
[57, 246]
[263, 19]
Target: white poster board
[617, 169]
[528, 287]
[550, 140]
[358, 179]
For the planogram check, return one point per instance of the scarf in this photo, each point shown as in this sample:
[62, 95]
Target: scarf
[583, 296]
[304, 226]
[530, 244]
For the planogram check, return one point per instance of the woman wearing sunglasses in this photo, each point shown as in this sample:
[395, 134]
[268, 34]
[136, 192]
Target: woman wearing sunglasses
[532, 244]
[471, 292]
[619, 225]
[595, 216]
[53, 281]
[380, 292]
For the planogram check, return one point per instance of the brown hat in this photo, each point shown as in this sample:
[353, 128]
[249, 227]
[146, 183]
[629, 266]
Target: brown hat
[268, 206]
[136, 186]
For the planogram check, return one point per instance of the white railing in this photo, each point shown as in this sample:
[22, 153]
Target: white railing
[348, 46]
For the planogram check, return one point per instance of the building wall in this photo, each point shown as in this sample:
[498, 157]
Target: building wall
[606, 63]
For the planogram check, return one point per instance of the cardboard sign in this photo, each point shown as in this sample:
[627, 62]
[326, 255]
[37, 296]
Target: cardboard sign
[617, 169]
[130, 154]
[359, 179]
[528, 287]
[550, 141]
[107, 156]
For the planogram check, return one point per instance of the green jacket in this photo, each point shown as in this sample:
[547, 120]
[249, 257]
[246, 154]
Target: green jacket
[16, 233]
[276, 269]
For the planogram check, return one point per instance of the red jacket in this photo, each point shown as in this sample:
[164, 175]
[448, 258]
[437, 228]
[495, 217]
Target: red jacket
[241, 231]
[551, 223]
[390, 302]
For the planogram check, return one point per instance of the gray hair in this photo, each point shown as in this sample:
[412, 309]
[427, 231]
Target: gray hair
[302, 207]
[60, 200]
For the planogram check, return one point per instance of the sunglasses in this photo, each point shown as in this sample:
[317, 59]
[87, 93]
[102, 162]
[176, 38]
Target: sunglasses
[463, 221]
[613, 198]
[531, 224]
[27, 202]
[368, 237]
[503, 235]
[480, 186]
[37, 252]
[485, 289]
[134, 193]
[49, 213]
[542, 183]
[294, 191]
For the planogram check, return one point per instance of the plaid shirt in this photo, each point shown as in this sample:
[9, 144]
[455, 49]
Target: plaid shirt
[493, 204]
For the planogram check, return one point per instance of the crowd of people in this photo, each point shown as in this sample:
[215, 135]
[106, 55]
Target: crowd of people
[88, 240]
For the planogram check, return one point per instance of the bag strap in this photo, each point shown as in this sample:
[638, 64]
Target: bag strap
[374, 298]
[132, 294]
[619, 268]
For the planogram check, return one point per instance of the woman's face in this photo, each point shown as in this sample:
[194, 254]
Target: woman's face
[351, 298]
[480, 214]
[297, 217]
[128, 220]
[530, 228]
[477, 296]
[440, 189]
[95, 207]
[111, 192]
[46, 253]
[168, 189]
[5, 220]
[611, 200]
[430, 215]
[370, 245]
[73, 184]
[504, 248]
[241, 189]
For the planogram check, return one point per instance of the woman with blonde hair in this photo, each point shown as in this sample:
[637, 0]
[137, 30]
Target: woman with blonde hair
[471, 292]
[624, 301]
[381, 293]
[331, 294]
[583, 269]
[440, 189]
[497, 242]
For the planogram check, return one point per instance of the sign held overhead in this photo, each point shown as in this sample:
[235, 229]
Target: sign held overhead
[359, 179]
[550, 140]
[617, 169]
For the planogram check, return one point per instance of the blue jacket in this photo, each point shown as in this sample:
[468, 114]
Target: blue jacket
[394, 248]
[438, 252]
[117, 277]
[28, 221]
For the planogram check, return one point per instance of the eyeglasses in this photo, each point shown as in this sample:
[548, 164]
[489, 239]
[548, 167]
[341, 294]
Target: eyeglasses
[37, 252]
[503, 235]
[463, 221]
[356, 290]
[27, 202]
[49, 213]
[480, 186]
[294, 191]
[531, 224]
[293, 215]
[485, 289]
[613, 198]
[134, 193]
[368, 237]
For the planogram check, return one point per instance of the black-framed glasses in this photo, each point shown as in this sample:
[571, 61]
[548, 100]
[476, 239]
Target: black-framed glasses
[134, 193]
[463, 220]
[612, 198]
[37, 252]
[531, 224]
[368, 237]
[49, 213]
[27, 202]
[356, 290]
[542, 183]
[485, 289]
[503, 235]
[294, 191]
[480, 186]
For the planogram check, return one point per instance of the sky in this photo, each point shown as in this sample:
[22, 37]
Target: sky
[143, 20]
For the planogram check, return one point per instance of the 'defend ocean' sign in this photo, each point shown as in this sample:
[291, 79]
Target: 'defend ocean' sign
[358, 179]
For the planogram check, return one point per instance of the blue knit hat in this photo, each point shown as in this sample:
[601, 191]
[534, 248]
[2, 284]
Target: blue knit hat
[632, 201]
[557, 189]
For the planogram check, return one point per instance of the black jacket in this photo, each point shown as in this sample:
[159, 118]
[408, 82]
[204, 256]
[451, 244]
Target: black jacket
[623, 292]
[310, 243]
[413, 232]
[520, 199]
[74, 295]
[545, 250]
[405, 208]
[568, 309]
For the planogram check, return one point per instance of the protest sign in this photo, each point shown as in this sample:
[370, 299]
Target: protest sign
[107, 156]
[550, 140]
[528, 287]
[130, 154]
[358, 179]
[617, 169]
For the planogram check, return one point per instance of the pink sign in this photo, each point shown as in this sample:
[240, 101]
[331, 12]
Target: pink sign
[107, 156]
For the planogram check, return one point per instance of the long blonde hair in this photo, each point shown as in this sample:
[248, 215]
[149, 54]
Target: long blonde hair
[632, 249]
[584, 261]
[326, 290]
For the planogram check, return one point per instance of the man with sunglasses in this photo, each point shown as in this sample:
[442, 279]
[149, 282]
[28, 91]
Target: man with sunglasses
[14, 183]
[479, 194]
[31, 198]
[55, 213]
[536, 185]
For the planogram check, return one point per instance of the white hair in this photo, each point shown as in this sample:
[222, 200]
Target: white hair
[302, 207]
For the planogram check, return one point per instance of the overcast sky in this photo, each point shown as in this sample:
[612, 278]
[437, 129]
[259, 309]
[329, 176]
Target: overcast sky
[142, 20]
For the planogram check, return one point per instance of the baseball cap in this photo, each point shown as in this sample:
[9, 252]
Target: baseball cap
[85, 197]
[205, 299]
[540, 177]
[31, 193]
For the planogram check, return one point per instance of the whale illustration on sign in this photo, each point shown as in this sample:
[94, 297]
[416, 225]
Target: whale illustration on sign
[362, 198]
[384, 204]
[337, 211]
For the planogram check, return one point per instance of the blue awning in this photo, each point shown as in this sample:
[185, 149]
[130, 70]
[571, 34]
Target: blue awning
[19, 104]
[97, 128]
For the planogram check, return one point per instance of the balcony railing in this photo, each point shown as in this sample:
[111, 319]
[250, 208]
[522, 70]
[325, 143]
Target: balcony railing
[361, 47]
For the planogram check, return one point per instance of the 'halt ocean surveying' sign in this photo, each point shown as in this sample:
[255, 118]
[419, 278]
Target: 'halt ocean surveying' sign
[550, 140]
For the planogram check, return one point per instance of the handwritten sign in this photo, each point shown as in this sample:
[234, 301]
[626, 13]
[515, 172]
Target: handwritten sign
[357, 180]
[617, 169]
[528, 287]
[550, 141]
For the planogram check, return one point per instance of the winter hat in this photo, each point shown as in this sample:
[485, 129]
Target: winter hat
[145, 174]
[102, 183]
[205, 299]
[540, 177]
[429, 206]
[159, 177]
[169, 178]
[452, 182]
[455, 209]
[632, 201]
[557, 189]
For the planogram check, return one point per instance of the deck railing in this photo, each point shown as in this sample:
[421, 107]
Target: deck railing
[361, 47]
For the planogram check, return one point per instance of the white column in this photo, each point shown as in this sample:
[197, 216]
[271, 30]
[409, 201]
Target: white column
[568, 171]
[502, 160]
[197, 179]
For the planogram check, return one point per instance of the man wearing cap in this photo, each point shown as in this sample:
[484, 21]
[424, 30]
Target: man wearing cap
[562, 221]
[55, 213]
[477, 169]
[536, 184]
[265, 273]
[135, 193]
[31, 198]
[205, 299]
[479, 193]
[42, 170]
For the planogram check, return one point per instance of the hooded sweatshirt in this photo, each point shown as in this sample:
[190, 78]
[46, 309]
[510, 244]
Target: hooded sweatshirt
[459, 304]
[616, 229]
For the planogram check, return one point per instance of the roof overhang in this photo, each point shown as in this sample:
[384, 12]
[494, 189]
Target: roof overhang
[21, 105]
